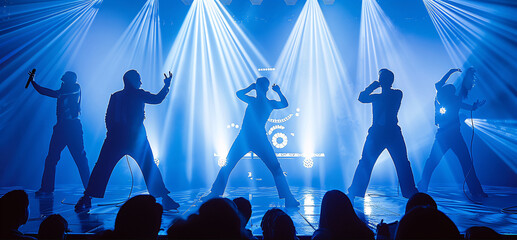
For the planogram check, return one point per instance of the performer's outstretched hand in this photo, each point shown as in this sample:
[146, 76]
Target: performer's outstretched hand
[168, 79]
[275, 88]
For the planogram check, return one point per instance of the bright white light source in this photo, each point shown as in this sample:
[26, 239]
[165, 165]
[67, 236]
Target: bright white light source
[279, 140]
[443, 110]
[221, 162]
[308, 162]
[157, 161]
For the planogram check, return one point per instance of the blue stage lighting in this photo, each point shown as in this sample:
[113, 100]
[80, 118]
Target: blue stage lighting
[211, 59]
[312, 71]
[290, 2]
[256, 2]
[500, 136]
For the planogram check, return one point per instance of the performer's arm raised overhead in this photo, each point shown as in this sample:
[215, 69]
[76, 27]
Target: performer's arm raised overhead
[366, 96]
[283, 101]
[242, 94]
[160, 96]
[445, 77]
[45, 91]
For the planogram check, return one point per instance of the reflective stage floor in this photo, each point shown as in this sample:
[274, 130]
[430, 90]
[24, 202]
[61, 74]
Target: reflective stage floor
[380, 203]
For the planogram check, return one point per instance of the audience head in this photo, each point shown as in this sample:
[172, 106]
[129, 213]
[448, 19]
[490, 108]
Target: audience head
[139, 217]
[244, 207]
[386, 78]
[53, 227]
[268, 220]
[132, 79]
[283, 228]
[474, 233]
[338, 217]
[420, 200]
[219, 218]
[426, 223]
[14, 209]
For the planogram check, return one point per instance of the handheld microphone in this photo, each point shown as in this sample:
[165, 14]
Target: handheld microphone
[31, 77]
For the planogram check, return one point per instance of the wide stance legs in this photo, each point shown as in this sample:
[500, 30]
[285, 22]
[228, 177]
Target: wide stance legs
[451, 139]
[379, 139]
[114, 148]
[69, 134]
[264, 151]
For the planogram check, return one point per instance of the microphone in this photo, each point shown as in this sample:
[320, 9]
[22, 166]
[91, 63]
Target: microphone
[31, 77]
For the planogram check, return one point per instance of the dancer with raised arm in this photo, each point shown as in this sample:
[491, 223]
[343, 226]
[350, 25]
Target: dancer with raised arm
[68, 131]
[252, 137]
[127, 136]
[447, 107]
[384, 133]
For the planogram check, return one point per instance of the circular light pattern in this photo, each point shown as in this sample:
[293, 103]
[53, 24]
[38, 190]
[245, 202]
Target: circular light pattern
[221, 162]
[157, 161]
[236, 125]
[308, 162]
[279, 140]
[443, 110]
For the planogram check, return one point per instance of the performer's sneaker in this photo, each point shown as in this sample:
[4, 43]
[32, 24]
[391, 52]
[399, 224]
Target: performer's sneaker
[169, 204]
[209, 196]
[290, 202]
[42, 193]
[84, 204]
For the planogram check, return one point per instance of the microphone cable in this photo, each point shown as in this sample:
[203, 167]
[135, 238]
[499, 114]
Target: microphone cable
[471, 159]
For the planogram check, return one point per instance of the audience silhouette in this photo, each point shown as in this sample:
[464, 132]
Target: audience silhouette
[139, 218]
[426, 223]
[276, 224]
[386, 231]
[480, 233]
[14, 212]
[252, 137]
[53, 227]
[244, 208]
[126, 135]
[68, 131]
[383, 134]
[447, 107]
[338, 219]
[218, 218]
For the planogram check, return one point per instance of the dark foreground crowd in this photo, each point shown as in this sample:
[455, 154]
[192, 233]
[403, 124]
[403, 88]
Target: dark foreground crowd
[222, 218]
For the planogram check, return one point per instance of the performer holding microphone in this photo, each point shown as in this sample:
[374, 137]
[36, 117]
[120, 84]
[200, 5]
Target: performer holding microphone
[447, 108]
[67, 132]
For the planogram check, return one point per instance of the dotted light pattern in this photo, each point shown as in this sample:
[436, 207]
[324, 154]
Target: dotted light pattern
[221, 162]
[308, 162]
[276, 142]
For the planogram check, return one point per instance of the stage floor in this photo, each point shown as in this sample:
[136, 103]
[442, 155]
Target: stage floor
[380, 203]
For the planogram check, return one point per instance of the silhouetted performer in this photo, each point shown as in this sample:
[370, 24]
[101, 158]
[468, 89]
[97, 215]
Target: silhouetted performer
[127, 136]
[384, 133]
[68, 131]
[447, 107]
[252, 137]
